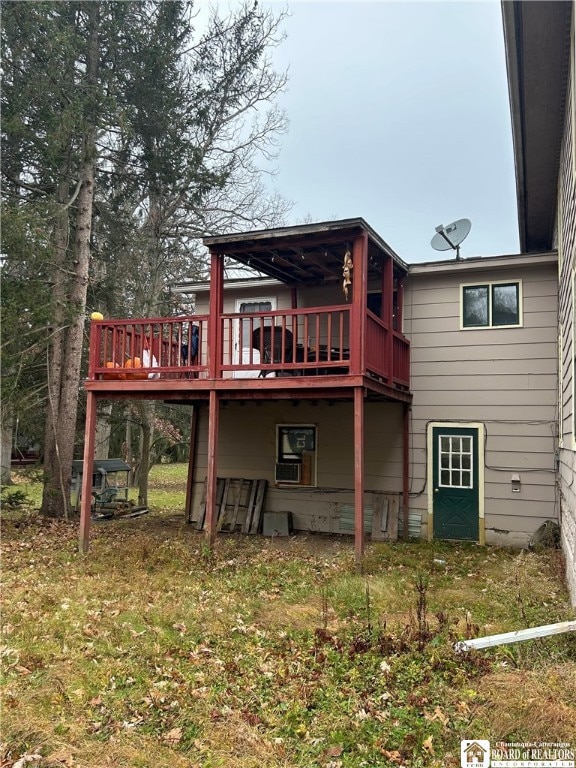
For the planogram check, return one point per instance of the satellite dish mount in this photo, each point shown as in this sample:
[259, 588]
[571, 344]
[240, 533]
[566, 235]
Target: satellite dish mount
[451, 236]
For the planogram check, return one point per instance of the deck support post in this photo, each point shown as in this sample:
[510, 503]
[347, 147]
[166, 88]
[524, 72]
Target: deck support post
[191, 462]
[211, 477]
[405, 470]
[87, 469]
[359, 476]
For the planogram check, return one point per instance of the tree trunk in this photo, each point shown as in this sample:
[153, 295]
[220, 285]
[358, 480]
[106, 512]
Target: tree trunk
[54, 497]
[66, 349]
[7, 429]
[146, 413]
[127, 452]
[103, 430]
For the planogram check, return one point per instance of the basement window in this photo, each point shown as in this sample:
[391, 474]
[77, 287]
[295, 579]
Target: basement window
[296, 455]
[491, 305]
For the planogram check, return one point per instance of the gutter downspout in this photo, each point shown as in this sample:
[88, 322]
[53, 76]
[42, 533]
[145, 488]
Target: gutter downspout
[516, 637]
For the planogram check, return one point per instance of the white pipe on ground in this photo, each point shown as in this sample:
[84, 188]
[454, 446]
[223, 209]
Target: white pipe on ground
[516, 637]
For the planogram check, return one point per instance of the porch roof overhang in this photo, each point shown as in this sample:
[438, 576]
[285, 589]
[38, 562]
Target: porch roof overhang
[307, 254]
[537, 43]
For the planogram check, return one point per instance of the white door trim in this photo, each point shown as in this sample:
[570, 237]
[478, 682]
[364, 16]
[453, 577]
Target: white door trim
[479, 427]
[236, 323]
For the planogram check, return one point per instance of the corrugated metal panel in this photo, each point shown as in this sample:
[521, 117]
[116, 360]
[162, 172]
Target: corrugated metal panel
[414, 525]
[346, 521]
[346, 518]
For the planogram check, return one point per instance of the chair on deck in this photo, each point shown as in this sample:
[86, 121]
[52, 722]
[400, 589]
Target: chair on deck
[268, 341]
[189, 353]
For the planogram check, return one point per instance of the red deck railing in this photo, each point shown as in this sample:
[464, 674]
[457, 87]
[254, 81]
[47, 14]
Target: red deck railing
[298, 341]
[306, 342]
[142, 349]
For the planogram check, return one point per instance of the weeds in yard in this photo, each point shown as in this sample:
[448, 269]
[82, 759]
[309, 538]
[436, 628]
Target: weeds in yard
[146, 652]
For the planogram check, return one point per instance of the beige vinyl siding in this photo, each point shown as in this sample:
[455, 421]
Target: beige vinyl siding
[281, 298]
[504, 378]
[566, 313]
[247, 448]
[566, 235]
[280, 295]
[321, 295]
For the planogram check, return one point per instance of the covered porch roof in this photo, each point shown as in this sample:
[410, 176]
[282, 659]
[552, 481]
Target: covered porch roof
[307, 254]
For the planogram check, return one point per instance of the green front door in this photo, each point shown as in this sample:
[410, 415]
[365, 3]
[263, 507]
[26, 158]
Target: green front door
[455, 486]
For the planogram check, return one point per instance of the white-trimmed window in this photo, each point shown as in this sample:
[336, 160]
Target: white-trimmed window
[296, 446]
[491, 305]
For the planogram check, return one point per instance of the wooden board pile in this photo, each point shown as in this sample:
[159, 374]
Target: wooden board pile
[239, 505]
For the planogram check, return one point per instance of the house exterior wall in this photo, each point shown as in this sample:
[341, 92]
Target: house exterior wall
[566, 242]
[247, 449]
[504, 379]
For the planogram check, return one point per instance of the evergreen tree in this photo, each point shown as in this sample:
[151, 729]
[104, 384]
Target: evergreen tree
[124, 140]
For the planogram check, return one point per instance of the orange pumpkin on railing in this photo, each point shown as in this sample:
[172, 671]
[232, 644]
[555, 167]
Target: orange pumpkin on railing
[115, 375]
[135, 362]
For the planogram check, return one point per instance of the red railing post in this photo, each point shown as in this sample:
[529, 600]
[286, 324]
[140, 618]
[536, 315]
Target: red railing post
[215, 349]
[388, 304]
[94, 348]
[359, 300]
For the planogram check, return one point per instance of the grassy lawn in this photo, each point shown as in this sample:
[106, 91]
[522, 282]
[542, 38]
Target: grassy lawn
[150, 651]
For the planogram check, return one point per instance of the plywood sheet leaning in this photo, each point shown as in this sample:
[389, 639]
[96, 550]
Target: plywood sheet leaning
[385, 518]
[239, 504]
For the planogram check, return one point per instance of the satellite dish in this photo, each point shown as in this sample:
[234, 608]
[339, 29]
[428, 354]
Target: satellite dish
[451, 236]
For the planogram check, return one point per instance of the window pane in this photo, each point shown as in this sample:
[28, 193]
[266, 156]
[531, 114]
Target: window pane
[294, 441]
[445, 477]
[248, 307]
[455, 461]
[466, 461]
[444, 444]
[466, 479]
[445, 461]
[466, 444]
[475, 305]
[505, 309]
[455, 479]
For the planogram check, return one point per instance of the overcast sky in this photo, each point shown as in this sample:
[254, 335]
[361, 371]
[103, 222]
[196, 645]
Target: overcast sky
[398, 112]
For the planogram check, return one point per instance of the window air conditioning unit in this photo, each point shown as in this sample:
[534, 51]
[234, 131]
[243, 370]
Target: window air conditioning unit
[287, 472]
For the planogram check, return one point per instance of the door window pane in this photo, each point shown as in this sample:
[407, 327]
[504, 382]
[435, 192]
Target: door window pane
[455, 461]
[248, 308]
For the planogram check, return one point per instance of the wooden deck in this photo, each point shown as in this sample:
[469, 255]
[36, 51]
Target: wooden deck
[323, 347]
[268, 354]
